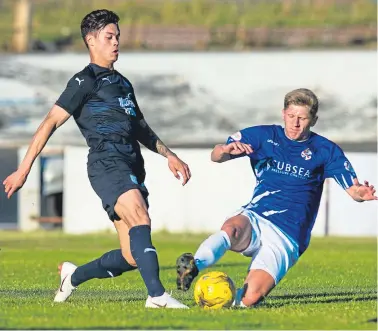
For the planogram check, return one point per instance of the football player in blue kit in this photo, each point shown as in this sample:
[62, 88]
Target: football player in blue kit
[290, 164]
[104, 106]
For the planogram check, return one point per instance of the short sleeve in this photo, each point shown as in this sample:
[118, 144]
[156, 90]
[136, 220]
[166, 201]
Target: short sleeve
[339, 168]
[251, 136]
[75, 95]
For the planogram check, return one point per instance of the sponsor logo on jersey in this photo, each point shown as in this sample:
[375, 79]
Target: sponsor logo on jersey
[280, 167]
[290, 169]
[128, 105]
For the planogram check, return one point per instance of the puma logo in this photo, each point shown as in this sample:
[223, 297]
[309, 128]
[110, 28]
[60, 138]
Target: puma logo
[79, 80]
[107, 79]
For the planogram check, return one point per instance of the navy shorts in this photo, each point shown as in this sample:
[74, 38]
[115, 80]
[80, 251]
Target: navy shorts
[110, 178]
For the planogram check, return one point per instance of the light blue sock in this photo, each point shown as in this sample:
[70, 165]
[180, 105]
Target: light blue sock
[212, 249]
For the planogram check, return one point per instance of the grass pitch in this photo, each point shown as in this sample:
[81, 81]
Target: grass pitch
[333, 286]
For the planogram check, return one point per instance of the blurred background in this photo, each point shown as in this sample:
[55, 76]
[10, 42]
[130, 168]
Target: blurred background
[202, 69]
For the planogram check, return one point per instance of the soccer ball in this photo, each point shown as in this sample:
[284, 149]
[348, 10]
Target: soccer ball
[214, 290]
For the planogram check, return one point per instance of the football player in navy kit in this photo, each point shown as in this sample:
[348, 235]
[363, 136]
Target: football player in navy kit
[103, 104]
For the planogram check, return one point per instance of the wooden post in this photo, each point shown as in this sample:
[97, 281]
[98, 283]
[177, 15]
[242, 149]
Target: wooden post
[22, 25]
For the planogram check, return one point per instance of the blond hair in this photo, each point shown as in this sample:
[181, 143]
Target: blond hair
[302, 97]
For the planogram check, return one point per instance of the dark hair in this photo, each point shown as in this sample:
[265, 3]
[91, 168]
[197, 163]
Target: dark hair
[97, 20]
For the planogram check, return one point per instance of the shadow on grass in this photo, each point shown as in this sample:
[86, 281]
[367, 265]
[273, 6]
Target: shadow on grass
[275, 301]
[87, 295]
[215, 267]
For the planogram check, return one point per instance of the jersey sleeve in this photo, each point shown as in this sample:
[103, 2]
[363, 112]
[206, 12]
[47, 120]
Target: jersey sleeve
[339, 168]
[77, 92]
[143, 132]
[251, 136]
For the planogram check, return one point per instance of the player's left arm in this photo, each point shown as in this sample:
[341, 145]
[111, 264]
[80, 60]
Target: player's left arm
[340, 169]
[149, 138]
[362, 192]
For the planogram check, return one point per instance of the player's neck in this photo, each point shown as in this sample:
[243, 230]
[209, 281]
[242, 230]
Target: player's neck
[102, 63]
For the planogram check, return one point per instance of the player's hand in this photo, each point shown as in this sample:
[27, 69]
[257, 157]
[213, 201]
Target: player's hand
[237, 148]
[366, 192]
[14, 182]
[177, 167]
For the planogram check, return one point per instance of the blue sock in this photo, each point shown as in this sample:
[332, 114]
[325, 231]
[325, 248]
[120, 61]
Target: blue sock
[146, 258]
[111, 264]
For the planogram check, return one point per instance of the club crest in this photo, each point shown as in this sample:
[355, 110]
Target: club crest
[306, 154]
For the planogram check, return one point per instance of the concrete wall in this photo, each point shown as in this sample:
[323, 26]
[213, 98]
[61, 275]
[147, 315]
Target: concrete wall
[210, 93]
[215, 191]
[8, 208]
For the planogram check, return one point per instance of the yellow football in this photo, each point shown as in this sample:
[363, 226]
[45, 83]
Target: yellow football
[214, 290]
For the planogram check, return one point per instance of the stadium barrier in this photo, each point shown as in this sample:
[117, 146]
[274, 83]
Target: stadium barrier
[214, 192]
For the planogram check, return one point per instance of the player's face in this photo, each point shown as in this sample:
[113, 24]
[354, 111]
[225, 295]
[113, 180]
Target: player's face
[298, 122]
[104, 45]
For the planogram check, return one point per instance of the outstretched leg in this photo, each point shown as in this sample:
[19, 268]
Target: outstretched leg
[132, 210]
[235, 235]
[111, 264]
[276, 255]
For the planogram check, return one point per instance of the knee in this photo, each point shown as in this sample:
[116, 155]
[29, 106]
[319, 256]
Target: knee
[252, 298]
[133, 215]
[129, 258]
[233, 232]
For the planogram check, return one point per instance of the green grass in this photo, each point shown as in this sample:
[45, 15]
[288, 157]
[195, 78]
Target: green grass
[51, 17]
[333, 286]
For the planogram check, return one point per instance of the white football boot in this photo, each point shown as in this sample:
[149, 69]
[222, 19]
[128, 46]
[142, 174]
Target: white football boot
[164, 301]
[66, 269]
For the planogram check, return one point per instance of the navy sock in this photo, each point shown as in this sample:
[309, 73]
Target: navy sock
[146, 258]
[111, 264]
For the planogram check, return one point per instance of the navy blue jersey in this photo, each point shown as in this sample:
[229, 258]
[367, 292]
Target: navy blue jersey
[290, 177]
[103, 104]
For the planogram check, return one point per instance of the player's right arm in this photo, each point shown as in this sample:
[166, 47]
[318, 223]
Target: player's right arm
[241, 143]
[225, 152]
[54, 119]
[78, 90]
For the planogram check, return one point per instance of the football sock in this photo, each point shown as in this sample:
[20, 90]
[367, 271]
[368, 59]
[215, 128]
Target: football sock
[145, 256]
[111, 264]
[212, 249]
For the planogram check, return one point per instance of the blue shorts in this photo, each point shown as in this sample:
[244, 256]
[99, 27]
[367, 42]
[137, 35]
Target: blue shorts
[110, 178]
